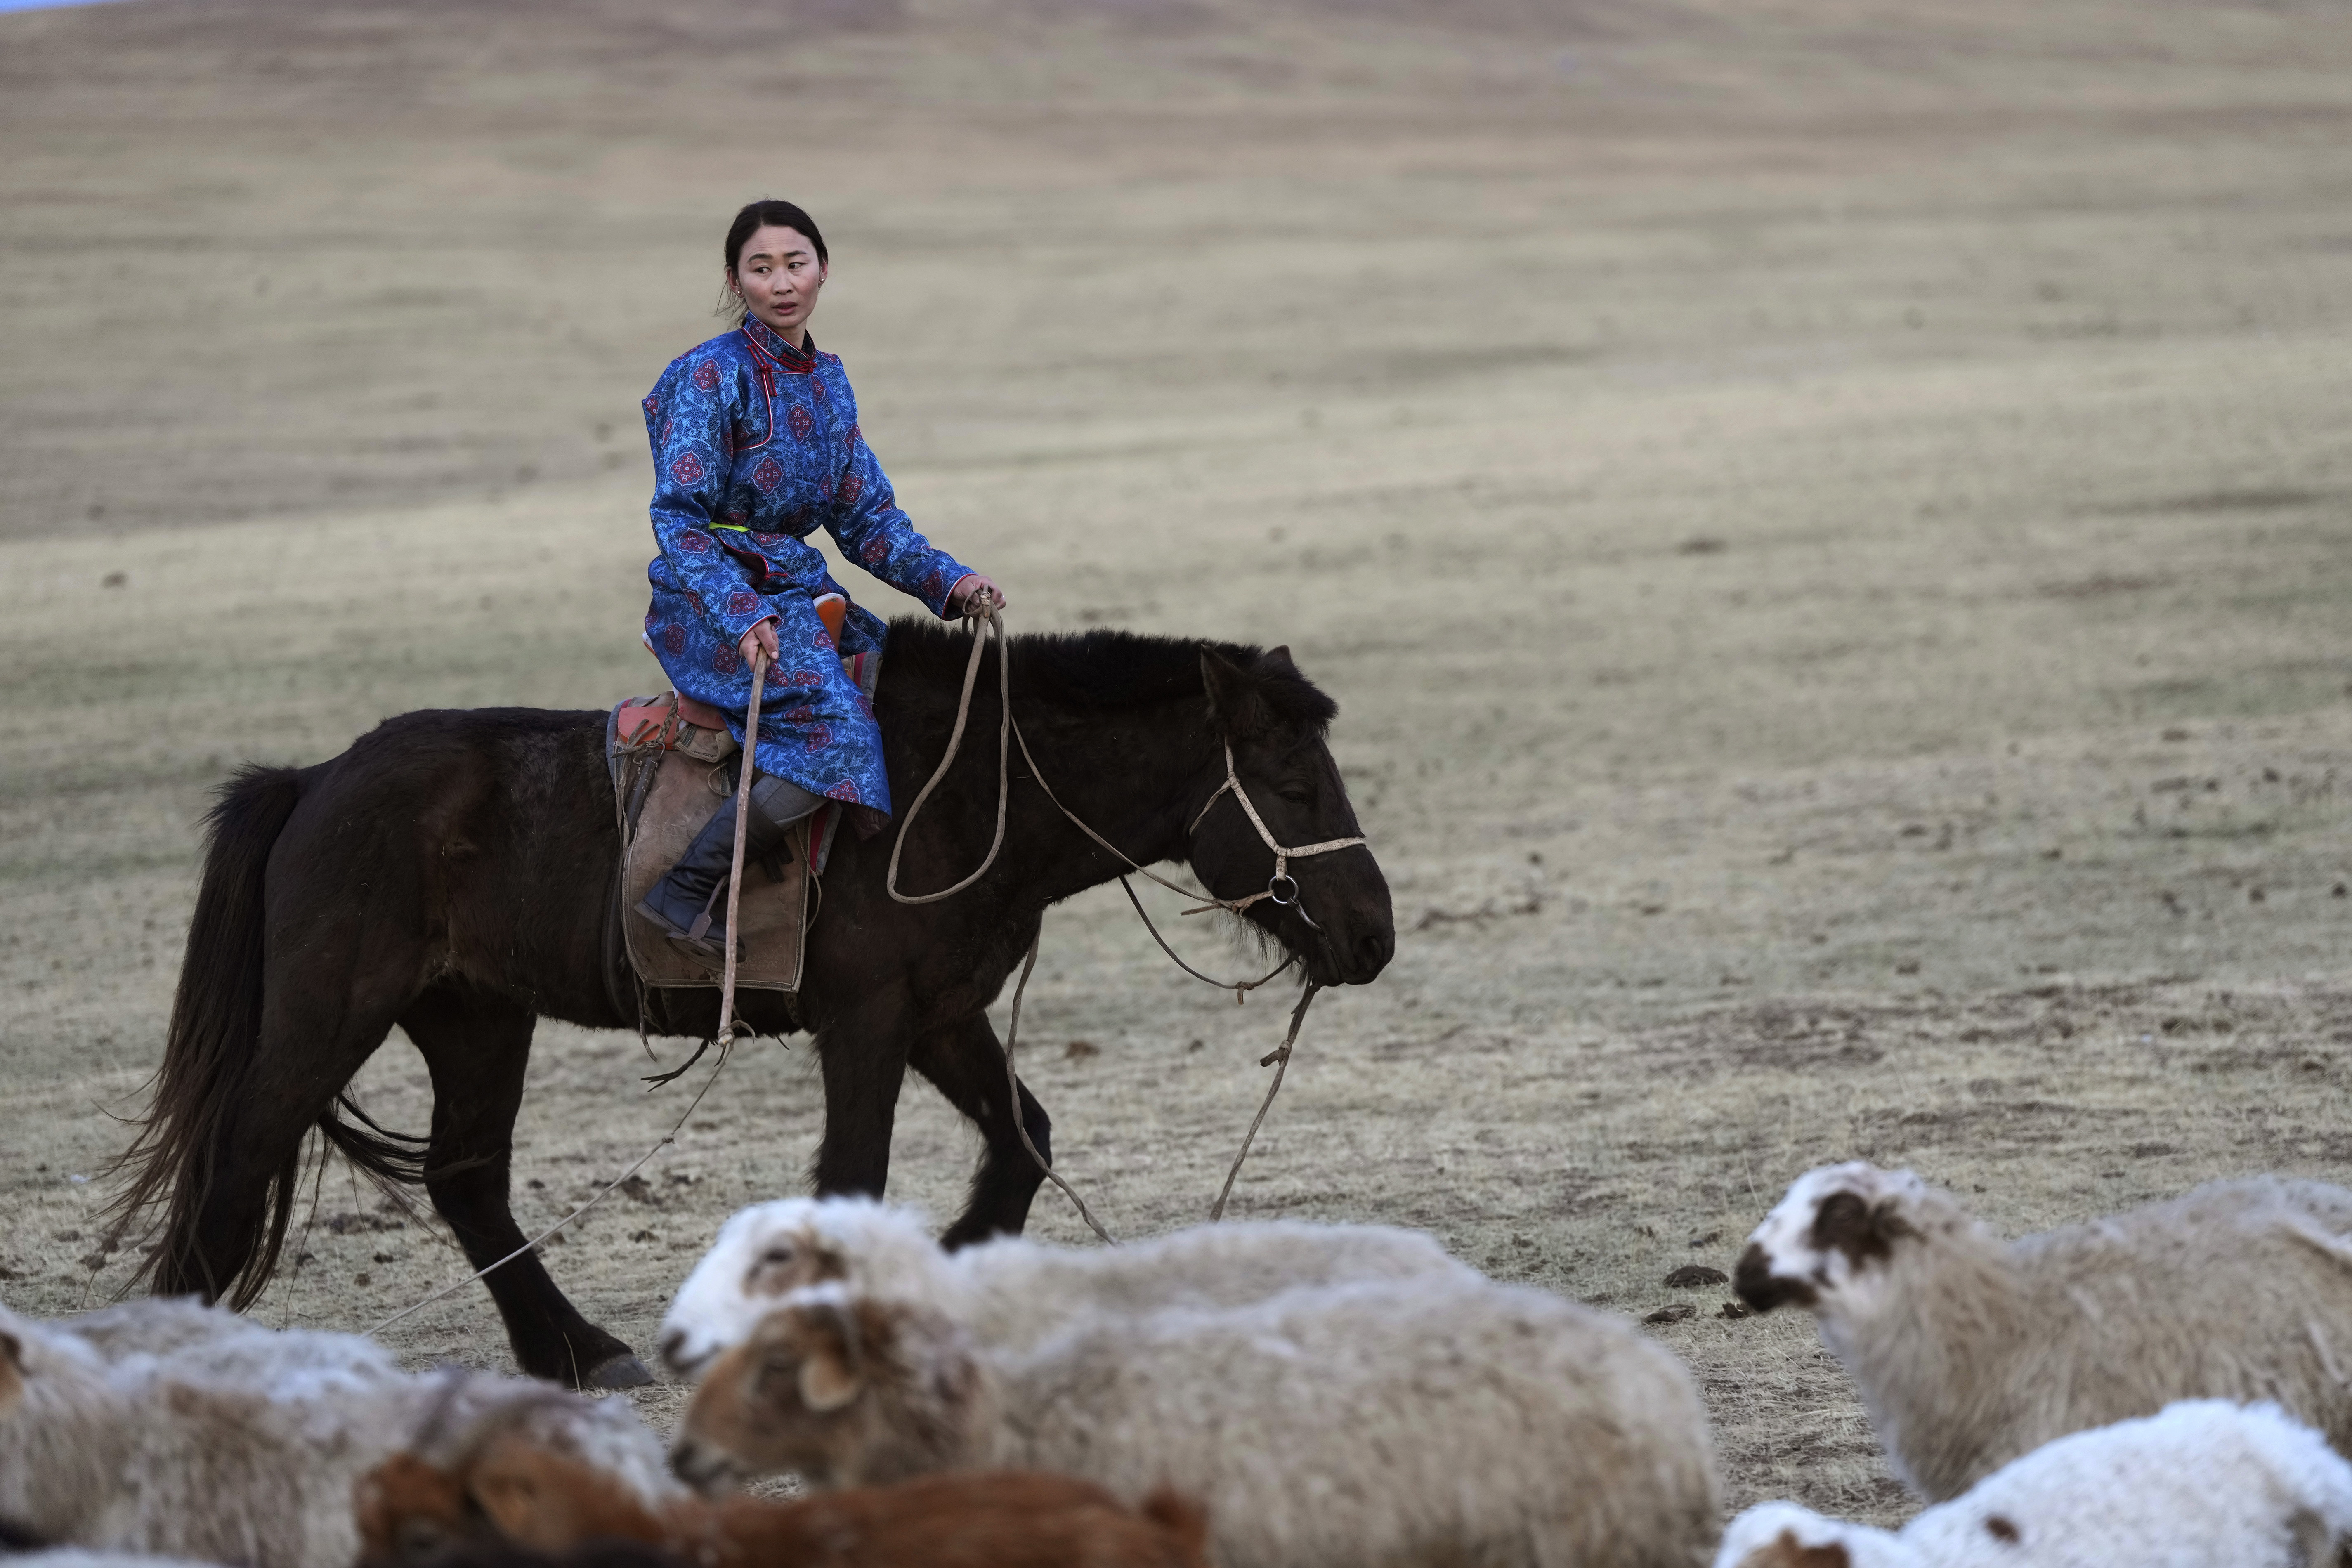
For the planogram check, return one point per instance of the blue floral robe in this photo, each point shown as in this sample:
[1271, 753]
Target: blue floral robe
[756, 446]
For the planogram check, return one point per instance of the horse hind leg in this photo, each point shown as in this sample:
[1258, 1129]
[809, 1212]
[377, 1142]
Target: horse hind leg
[477, 1046]
[965, 1062]
[240, 1155]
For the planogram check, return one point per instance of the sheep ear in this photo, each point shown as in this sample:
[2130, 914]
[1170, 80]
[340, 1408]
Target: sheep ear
[828, 1382]
[1234, 702]
[1786, 1552]
[830, 1374]
[509, 1499]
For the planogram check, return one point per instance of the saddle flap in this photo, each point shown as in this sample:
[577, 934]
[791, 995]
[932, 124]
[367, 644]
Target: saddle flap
[676, 722]
[774, 921]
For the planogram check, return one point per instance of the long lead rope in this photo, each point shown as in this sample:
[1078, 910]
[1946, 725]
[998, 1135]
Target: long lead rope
[988, 617]
[667, 1138]
[735, 869]
[991, 618]
[726, 1008]
[1012, 1087]
[1279, 1060]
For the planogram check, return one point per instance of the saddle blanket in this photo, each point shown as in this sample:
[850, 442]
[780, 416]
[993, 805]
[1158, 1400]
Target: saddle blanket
[670, 775]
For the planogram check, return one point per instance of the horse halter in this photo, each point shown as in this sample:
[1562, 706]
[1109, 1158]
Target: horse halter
[1282, 856]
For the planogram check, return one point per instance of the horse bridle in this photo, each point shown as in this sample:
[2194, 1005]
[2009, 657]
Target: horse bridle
[1283, 855]
[1007, 731]
[985, 611]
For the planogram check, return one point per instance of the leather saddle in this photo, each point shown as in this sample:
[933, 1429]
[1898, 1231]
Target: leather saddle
[673, 763]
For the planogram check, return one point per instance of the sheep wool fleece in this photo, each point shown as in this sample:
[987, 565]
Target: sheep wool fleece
[756, 446]
[2203, 1484]
[1010, 1292]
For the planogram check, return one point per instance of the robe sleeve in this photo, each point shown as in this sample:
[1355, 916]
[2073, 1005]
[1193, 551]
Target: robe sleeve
[864, 520]
[687, 415]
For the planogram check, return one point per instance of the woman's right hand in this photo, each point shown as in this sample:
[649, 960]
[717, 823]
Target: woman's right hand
[762, 637]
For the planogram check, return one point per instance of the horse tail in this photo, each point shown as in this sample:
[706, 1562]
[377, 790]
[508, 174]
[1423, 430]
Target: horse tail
[216, 1024]
[216, 1019]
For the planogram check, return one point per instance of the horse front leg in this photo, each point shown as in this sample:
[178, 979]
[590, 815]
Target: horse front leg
[965, 1062]
[476, 1047]
[862, 1055]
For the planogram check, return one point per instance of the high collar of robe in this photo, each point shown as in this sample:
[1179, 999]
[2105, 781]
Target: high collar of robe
[771, 343]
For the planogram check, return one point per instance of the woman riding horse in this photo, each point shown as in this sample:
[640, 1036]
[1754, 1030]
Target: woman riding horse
[756, 445]
[456, 873]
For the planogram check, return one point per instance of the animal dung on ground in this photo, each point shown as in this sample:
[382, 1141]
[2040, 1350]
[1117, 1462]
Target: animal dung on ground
[1969, 1351]
[1696, 1275]
[1079, 1050]
[1672, 1312]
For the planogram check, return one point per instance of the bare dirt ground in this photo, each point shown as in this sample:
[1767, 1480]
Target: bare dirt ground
[1830, 523]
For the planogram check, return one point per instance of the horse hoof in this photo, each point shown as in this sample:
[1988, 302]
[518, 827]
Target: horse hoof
[623, 1370]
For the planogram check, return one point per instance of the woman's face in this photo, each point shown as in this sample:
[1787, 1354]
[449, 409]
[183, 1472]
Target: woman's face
[778, 275]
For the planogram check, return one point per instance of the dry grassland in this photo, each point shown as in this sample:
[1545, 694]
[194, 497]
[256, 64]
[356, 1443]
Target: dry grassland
[1830, 525]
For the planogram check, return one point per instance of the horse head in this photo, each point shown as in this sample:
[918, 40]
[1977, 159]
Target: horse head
[1329, 907]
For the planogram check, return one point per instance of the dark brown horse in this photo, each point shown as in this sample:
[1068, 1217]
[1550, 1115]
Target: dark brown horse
[456, 873]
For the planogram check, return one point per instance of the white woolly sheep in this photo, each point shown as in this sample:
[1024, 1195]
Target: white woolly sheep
[1012, 1293]
[2204, 1484]
[1969, 1351]
[240, 1444]
[1437, 1420]
[152, 1325]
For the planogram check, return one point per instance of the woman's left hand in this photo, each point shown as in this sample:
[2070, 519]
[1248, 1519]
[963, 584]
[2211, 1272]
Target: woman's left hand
[966, 594]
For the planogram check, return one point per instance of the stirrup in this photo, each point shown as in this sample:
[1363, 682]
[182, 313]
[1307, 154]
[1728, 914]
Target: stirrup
[694, 941]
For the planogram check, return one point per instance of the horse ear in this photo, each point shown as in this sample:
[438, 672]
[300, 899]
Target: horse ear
[1279, 658]
[1234, 701]
[12, 1371]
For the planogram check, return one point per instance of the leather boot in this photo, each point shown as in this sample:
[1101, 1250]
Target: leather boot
[690, 902]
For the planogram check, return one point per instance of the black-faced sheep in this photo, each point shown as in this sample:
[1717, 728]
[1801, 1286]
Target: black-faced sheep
[1012, 1293]
[1969, 1351]
[1414, 1421]
[2204, 1484]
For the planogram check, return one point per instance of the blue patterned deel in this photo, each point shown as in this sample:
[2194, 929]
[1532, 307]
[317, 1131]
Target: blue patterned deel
[756, 446]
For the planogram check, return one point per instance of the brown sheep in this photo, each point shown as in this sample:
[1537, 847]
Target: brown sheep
[409, 1510]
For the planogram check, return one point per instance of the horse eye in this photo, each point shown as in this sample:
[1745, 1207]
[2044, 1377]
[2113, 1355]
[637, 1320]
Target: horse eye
[778, 1254]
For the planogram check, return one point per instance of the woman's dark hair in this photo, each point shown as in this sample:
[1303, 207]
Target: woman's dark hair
[750, 221]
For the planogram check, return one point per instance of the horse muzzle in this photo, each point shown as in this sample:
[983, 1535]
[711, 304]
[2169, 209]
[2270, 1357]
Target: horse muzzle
[1346, 946]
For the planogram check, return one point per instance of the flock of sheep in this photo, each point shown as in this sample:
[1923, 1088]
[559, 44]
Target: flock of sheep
[2167, 1386]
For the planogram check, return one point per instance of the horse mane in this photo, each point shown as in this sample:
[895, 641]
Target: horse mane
[1107, 670]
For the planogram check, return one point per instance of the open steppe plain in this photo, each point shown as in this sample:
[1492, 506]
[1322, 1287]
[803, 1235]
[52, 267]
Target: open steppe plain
[1829, 524]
